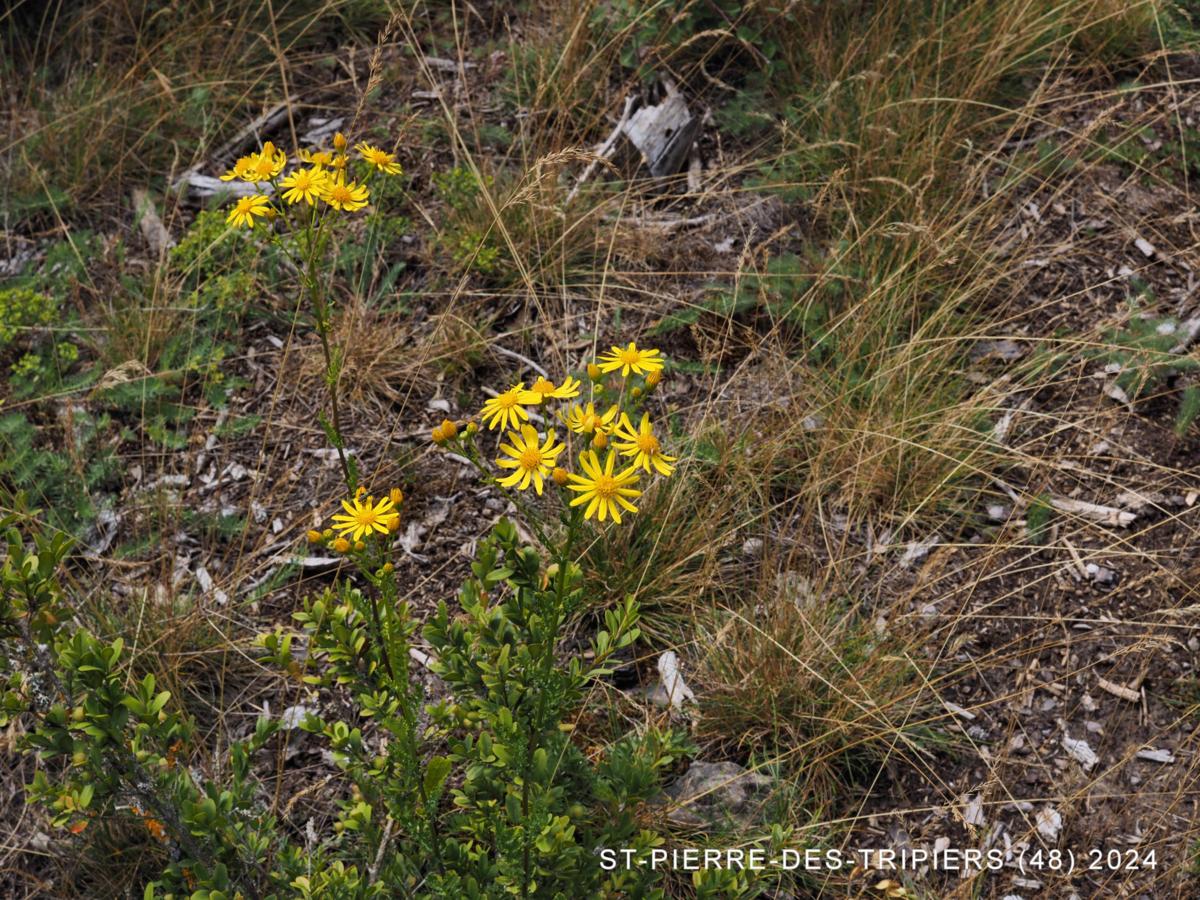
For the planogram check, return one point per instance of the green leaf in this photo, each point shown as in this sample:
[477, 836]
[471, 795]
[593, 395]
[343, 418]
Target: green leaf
[436, 773]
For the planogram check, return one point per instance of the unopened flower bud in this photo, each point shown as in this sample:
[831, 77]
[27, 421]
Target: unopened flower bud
[387, 569]
[439, 437]
[396, 496]
[314, 537]
[594, 372]
[559, 475]
[599, 440]
[327, 533]
[449, 429]
[340, 142]
[653, 378]
[472, 429]
[393, 524]
[341, 545]
[635, 393]
[360, 546]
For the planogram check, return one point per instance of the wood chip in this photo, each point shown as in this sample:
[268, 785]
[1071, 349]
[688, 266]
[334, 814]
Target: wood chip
[1049, 823]
[957, 710]
[1158, 756]
[1118, 690]
[973, 810]
[1080, 751]
[1095, 512]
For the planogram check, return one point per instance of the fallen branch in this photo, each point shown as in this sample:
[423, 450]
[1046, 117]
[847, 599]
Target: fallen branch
[1106, 515]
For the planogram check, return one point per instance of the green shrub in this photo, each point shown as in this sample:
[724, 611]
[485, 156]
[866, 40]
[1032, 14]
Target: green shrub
[487, 796]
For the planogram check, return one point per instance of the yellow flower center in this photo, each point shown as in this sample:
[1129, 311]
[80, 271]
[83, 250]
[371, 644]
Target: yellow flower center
[530, 458]
[631, 357]
[339, 194]
[263, 167]
[588, 422]
[365, 516]
[507, 400]
[606, 487]
[647, 443]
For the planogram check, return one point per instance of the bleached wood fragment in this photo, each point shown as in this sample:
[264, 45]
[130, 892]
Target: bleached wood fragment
[1095, 512]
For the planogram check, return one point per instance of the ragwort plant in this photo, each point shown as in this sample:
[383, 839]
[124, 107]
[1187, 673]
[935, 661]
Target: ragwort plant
[481, 793]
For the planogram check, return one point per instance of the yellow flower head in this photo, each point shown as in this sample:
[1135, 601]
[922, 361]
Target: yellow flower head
[604, 492]
[529, 459]
[380, 159]
[305, 185]
[344, 195]
[544, 389]
[246, 209]
[340, 142]
[642, 445]
[243, 169]
[507, 410]
[316, 157]
[585, 420]
[261, 166]
[365, 518]
[341, 545]
[630, 359]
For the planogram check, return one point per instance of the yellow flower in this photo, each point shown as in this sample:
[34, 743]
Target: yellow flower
[380, 159]
[508, 409]
[261, 166]
[585, 420]
[544, 389]
[243, 169]
[396, 496]
[246, 209]
[345, 196]
[630, 359]
[529, 459]
[341, 545]
[604, 493]
[316, 157]
[642, 445]
[340, 142]
[365, 518]
[314, 537]
[304, 184]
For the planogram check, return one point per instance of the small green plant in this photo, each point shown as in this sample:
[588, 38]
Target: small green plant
[464, 240]
[1144, 350]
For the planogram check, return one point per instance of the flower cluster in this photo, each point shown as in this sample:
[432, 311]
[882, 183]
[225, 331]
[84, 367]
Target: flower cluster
[318, 176]
[362, 519]
[603, 486]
